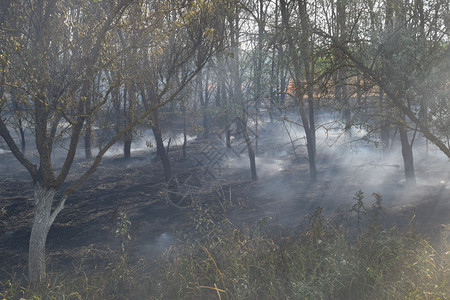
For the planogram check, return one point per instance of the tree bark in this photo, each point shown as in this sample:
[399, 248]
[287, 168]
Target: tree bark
[19, 119]
[309, 74]
[127, 144]
[251, 152]
[259, 64]
[130, 116]
[160, 149]
[184, 128]
[341, 82]
[385, 131]
[43, 220]
[407, 155]
[296, 59]
[88, 138]
[22, 136]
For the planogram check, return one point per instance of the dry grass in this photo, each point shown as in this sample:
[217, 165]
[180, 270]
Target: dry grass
[224, 261]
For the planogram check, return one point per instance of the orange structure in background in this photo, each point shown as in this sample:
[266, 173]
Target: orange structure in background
[290, 89]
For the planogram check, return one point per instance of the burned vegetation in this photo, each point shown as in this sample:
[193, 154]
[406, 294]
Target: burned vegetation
[224, 149]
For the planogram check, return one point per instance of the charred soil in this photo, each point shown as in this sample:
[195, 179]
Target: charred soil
[136, 187]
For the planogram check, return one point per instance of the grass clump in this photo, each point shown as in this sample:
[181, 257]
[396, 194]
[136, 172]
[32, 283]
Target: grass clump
[326, 260]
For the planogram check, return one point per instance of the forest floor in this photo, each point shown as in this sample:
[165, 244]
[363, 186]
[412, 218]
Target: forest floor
[136, 187]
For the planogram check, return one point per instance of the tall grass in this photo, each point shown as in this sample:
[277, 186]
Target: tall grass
[324, 261]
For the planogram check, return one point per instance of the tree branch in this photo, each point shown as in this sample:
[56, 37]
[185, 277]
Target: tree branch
[4, 132]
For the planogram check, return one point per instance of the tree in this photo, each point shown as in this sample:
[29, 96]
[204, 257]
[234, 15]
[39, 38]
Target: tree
[232, 103]
[189, 42]
[54, 61]
[236, 87]
[340, 75]
[401, 60]
[299, 59]
[45, 53]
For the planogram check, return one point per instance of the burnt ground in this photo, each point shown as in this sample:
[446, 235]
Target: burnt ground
[86, 227]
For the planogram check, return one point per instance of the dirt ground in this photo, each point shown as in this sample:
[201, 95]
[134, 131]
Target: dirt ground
[136, 187]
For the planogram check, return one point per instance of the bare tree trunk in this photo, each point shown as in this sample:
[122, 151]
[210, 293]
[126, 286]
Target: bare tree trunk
[39, 231]
[273, 84]
[281, 75]
[251, 152]
[88, 129]
[385, 131]
[306, 52]
[128, 138]
[130, 116]
[22, 136]
[311, 147]
[275, 71]
[296, 59]
[226, 104]
[43, 220]
[160, 149]
[88, 137]
[237, 95]
[259, 64]
[183, 104]
[408, 159]
[156, 128]
[206, 116]
[21, 130]
[199, 87]
[340, 80]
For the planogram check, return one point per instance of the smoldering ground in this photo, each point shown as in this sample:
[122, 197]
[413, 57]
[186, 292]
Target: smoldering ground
[346, 163]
